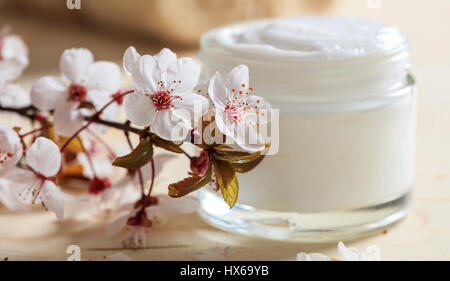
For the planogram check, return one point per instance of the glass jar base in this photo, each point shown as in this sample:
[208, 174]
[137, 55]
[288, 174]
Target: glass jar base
[301, 227]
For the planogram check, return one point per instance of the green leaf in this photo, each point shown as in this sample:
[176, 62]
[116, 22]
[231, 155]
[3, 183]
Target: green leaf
[167, 145]
[236, 155]
[227, 180]
[245, 166]
[189, 185]
[140, 156]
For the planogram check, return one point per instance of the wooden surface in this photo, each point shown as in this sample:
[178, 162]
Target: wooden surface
[423, 235]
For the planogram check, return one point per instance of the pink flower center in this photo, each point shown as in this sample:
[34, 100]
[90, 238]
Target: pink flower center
[4, 156]
[234, 112]
[116, 97]
[77, 93]
[162, 100]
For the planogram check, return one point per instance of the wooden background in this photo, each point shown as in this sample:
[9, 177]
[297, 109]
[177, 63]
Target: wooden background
[423, 235]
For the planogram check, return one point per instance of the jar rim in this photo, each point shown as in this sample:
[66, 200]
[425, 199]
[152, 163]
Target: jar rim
[351, 78]
[209, 47]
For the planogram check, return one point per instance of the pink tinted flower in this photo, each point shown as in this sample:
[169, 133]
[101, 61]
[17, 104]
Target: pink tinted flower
[37, 184]
[82, 80]
[13, 57]
[10, 148]
[163, 97]
[239, 113]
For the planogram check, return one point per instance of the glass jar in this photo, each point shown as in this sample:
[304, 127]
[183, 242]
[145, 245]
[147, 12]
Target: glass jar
[347, 127]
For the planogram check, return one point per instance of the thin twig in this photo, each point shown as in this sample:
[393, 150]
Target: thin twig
[93, 118]
[141, 179]
[88, 157]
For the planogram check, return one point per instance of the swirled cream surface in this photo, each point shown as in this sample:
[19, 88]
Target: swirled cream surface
[310, 38]
[313, 59]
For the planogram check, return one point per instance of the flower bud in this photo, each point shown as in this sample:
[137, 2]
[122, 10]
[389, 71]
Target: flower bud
[200, 164]
[98, 185]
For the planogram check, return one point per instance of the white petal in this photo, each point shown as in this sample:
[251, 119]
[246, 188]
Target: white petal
[194, 105]
[103, 166]
[47, 92]
[15, 49]
[221, 123]
[182, 75]
[312, 257]
[100, 99]
[103, 76]
[245, 134]
[238, 79]
[9, 143]
[217, 91]
[257, 104]
[44, 157]
[9, 196]
[347, 254]
[13, 95]
[139, 109]
[169, 205]
[19, 176]
[10, 70]
[51, 197]
[146, 75]
[202, 89]
[15, 58]
[130, 58]
[165, 58]
[248, 137]
[67, 118]
[74, 64]
[112, 112]
[170, 126]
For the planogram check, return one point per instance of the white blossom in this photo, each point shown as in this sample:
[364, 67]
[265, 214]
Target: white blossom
[82, 80]
[36, 184]
[13, 57]
[13, 60]
[10, 148]
[163, 97]
[352, 254]
[239, 113]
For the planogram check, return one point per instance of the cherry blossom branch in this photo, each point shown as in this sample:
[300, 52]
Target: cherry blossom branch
[30, 112]
[94, 117]
[36, 130]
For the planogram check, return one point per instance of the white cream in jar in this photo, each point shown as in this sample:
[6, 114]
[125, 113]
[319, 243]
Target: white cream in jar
[347, 116]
